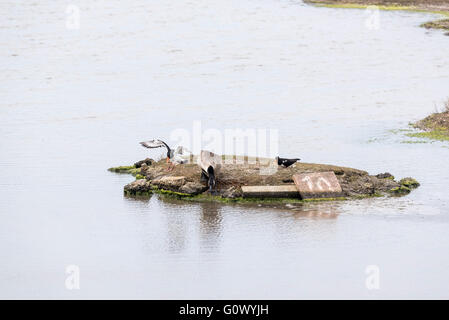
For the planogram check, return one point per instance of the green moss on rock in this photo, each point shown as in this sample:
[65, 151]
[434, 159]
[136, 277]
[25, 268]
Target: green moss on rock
[400, 190]
[409, 183]
[126, 169]
[220, 199]
[240, 200]
[171, 193]
[137, 193]
[122, 169]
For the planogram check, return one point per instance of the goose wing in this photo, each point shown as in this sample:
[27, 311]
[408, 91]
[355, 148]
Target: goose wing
[155, 143]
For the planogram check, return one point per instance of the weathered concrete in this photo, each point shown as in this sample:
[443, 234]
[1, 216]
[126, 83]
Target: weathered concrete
[287, 191]
[318, 185]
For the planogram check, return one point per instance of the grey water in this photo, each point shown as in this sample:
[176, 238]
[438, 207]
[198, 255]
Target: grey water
[75, 101]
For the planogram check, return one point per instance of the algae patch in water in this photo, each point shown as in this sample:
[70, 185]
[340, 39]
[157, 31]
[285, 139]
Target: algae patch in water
[438, 24]
[422, 132]
[439, 135]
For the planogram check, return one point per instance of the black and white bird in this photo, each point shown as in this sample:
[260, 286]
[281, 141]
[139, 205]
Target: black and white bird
[286, 162]
[174, 157]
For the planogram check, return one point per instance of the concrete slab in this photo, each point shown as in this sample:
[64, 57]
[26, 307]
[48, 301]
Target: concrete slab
[285, 191]
[318, 185]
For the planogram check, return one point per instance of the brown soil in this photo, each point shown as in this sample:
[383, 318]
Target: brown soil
[436, 121]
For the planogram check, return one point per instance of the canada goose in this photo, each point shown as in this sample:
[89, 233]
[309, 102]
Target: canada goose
[210, 165]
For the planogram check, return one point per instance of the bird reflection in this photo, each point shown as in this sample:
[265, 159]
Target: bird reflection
[210, 225]
[206, 218]
[203, 223]
[177, 231]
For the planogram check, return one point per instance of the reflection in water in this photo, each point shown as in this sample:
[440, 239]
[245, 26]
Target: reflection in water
[177, 228]
[322, 212]
[177, 223]
[201, 219]
[315, 222]
[210, 225]
[139, 203]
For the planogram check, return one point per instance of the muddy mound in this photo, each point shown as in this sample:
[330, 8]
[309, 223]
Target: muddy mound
[436, 121]
[185, 180]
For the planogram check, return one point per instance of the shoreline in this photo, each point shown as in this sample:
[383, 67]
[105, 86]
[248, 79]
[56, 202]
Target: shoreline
[434, 126]
[440, 7]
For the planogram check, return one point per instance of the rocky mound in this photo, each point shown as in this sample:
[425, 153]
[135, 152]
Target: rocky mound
[185, 180]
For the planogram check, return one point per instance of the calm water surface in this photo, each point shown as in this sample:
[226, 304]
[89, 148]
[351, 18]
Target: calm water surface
[75, 102]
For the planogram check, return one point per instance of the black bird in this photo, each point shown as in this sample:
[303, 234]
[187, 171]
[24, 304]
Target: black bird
[286, 162]
[210, 176]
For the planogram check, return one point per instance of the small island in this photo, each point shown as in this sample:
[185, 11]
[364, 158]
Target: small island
[440, 7]
[435, 126]
[184, 181]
